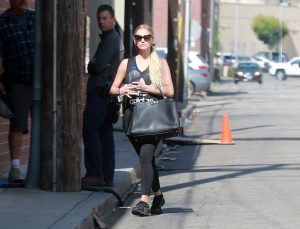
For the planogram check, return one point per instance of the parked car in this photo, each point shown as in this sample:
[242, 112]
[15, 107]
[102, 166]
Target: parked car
[241, 59]
[273, 56]
[199, 76]
[263, 62]
[229, 59]
[282, 70]
[248, 71]
[162, 52]
[244, 58]
[200, 80]
[196, 61]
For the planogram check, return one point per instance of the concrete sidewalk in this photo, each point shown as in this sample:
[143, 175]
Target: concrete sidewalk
[37, 209]
[41, 209]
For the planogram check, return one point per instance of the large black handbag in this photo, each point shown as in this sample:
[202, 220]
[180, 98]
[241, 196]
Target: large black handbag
[154, 118]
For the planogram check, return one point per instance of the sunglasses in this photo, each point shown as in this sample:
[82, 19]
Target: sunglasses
[145, 37]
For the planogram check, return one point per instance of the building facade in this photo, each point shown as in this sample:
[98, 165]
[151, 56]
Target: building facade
[235, 26]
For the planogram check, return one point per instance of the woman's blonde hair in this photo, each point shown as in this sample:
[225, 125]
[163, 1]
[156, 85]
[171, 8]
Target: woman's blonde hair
[155, 70]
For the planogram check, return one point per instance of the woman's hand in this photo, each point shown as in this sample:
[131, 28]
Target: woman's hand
[139, 85]
[128, 90]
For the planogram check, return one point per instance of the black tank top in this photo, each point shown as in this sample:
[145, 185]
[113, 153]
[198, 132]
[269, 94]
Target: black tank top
[129, 102]
[145, 74]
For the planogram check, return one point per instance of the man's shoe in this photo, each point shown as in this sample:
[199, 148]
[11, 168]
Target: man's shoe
[93, 181]
[14, 176]
[141, 209]
[158, 202]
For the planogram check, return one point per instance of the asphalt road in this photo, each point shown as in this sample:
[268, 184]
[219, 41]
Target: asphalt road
[253, 184]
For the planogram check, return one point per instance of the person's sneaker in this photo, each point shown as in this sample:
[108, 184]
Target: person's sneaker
[158, 202]
[14, 176]
[93, 181]
[141, 209]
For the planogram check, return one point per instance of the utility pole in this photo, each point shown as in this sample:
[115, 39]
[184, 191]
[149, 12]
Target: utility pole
[211, 38]
[174, 51]
[281, 2]
[236, 28]
[34, 163]
[63, 66]
[204, 49]
[186, 50]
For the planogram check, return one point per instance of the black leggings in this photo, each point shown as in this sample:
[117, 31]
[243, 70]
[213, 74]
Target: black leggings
[149, 172]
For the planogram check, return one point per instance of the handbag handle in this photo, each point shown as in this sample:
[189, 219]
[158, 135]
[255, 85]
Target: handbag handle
[162, 92]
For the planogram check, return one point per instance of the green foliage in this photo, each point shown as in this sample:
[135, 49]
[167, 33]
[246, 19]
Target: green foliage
[267, 29]
[216, 36]
[230, 72]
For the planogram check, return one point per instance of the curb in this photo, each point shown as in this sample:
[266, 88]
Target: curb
[127, 180]
[186, 112]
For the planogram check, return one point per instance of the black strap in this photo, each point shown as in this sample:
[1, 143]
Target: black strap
[131, 62]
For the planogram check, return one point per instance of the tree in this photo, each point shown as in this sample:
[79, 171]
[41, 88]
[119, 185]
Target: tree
[269, 30]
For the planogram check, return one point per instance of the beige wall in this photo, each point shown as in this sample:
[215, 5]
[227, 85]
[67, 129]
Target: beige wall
[119, 6]
[247, 40]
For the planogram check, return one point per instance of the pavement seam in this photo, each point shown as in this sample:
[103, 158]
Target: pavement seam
[67, 213]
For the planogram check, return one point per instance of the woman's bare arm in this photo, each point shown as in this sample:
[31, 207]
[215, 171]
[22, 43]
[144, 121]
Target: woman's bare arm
[118, 87]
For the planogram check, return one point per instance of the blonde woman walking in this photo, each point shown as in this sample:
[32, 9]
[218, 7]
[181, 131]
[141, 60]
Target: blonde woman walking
[154, 74]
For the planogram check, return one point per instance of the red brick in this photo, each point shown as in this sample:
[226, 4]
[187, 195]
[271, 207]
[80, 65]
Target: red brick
[4, 167]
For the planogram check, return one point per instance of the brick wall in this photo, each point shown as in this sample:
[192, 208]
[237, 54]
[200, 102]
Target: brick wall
[4, 153]
[3, 5]
[4, 156]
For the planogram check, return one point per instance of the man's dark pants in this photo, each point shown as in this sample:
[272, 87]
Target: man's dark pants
[98, 138]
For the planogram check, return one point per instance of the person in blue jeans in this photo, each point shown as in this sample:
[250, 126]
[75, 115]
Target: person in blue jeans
[154, 74]
[97, 132]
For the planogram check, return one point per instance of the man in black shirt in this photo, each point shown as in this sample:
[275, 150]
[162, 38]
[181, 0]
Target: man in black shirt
[99, 148]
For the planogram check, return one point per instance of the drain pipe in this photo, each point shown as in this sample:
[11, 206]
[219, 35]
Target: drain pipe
[34, 164]
[54, 112]
[186, 50]
[211, 39]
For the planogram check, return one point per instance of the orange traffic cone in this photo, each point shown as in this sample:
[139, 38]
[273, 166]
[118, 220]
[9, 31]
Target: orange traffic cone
[226, 138]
